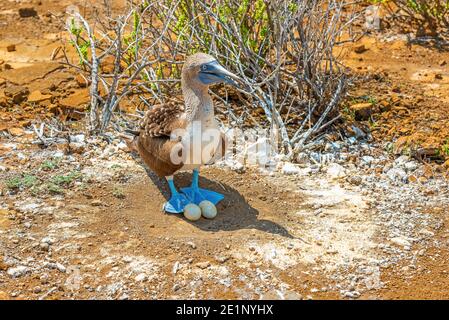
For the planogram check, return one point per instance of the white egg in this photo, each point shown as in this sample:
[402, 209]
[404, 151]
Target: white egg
[208, 209]
[192, 212]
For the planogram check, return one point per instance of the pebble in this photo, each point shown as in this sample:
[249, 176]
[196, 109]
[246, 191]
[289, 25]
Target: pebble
[176, 267]
[203, 265]
[290, 169]
[141, 277]
[16, 272]
[336, 171]
[368, 159]
[44, 246]
[355, 180]
[401, 241]
[221, 259]
[191, 244]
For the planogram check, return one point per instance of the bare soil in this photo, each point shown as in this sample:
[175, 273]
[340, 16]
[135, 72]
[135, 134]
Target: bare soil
[100, 233]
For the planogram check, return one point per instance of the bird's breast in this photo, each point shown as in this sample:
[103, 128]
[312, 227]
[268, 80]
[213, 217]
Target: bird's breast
[201, 141]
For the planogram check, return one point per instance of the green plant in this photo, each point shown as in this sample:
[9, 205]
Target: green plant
[80, 44]
[49, 165]
[61, 180]
[118, 193]
[54, 188]
[25, 181]
[445, 148]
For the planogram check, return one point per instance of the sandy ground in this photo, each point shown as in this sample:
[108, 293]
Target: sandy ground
[87, 223]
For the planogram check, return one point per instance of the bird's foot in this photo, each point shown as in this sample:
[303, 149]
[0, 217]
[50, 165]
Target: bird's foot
[176, 203]
[196, 195]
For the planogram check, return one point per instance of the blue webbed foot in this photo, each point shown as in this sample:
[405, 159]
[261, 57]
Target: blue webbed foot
[196, 195]
[176, 203]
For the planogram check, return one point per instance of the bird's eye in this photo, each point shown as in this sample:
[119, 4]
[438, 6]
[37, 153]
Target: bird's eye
[204, 67]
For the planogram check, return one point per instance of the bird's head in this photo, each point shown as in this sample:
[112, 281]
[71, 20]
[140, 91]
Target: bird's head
[204, 70]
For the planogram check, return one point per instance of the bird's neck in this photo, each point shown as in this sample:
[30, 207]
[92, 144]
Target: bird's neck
[198, 102]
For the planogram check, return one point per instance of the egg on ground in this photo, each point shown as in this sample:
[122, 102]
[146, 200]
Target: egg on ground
[208, 209]
[192, 212]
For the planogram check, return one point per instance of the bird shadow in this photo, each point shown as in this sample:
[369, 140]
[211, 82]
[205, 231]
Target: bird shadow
[234, 212]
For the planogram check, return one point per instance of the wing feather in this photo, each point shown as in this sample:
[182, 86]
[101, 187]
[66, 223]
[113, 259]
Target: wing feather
[154, 144]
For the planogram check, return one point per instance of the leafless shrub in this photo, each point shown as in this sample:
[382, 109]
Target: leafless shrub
[285, 51]
[429, 16]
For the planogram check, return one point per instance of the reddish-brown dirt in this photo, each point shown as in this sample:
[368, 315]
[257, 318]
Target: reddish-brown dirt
[270, 239]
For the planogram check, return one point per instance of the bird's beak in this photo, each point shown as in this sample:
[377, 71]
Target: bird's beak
[213, 72]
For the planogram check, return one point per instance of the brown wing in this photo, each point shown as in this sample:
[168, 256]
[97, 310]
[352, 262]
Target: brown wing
[162, 120]
[154, 144]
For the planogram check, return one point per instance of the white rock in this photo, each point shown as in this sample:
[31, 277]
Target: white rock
[238, 167]
[396, 174]
[290, 169]
[402, 160]
[2, 168]
[352, 294]
[411, 166]
[401, 241]
[122, 146]
[48, 240]
[368, 159]
[18, 271]
[58, 154]
[141, 277]
[60, 267]
[336, 171]
[79, 138]
[175, 267]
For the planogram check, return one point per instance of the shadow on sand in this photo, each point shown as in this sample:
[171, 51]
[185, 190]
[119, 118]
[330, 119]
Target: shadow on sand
[234, 212]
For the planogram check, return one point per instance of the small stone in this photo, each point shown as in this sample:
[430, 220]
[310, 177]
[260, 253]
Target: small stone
[18, 94]
[290, 169]
[352, 294]
[238, 167]
[141, 277]
[221, 259]
[37, 290]
[17, 132]
[60, 267]
[44, 246]
[37, 96]
[367, 159]
[97, 203]
[401, 241]
[11, 48]
[44, 278]
[336, 171]
[48, 240]
[176, 287]
[411, 166]
[176, 267]
[355, 180]
[27, 12]
[362, 111]
[396, 174]
[191, 244]
[203, 265]
[360, 49]
[17, 272]
[81, 81]
[76, 147]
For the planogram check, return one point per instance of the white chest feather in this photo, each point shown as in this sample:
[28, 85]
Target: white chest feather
[200, 143]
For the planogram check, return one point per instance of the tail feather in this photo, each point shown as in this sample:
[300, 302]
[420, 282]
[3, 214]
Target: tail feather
[133, 132]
